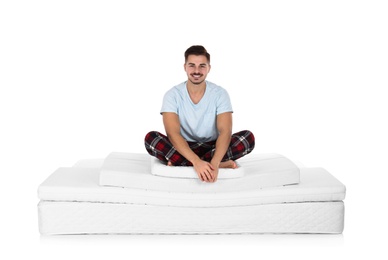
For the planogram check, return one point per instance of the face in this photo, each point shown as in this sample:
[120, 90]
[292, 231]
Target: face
[197, 68]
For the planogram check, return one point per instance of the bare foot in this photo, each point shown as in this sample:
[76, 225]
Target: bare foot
[228, 164]
[169, 163]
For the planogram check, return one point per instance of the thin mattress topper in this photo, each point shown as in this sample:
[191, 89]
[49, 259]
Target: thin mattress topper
[160, 169]
[134, 171]
[80, 184]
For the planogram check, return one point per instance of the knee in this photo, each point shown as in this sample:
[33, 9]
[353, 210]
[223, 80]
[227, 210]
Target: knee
[150, 136]
[249, 137]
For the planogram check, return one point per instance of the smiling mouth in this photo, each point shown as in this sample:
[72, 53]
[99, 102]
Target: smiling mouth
[196, 76]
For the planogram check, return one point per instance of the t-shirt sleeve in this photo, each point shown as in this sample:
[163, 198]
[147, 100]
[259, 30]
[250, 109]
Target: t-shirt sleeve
[223, 103]
[169, 103]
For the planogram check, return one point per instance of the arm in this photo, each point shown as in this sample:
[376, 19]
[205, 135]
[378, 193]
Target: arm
[172, 126]
[224, 127]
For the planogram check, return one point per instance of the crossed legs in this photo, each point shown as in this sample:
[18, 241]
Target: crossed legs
[158, 145]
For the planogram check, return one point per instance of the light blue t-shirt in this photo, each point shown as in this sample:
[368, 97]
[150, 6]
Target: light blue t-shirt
[198, 121]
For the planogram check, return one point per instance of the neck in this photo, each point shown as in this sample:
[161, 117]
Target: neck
[196, 91]
[196, 88]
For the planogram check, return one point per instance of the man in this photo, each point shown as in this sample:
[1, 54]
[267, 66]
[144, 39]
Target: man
[197, 116]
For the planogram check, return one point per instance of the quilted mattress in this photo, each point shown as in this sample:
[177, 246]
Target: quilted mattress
[73, 201]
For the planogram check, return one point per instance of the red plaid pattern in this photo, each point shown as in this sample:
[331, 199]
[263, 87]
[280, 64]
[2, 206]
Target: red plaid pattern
[158, 145]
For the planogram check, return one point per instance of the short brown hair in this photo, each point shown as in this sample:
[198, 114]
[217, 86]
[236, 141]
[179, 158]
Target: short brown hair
[197, 50]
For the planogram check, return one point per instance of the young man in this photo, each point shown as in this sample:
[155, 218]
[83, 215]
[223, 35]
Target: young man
[197, 116]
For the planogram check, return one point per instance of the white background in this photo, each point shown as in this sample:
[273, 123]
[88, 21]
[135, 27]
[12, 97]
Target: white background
[80, 79]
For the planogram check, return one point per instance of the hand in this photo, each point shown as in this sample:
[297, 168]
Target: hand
[215, 172]
[215, 166]
[204, 170]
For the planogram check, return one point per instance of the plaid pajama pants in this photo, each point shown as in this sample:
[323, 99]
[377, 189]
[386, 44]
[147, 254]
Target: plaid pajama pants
[159, 145]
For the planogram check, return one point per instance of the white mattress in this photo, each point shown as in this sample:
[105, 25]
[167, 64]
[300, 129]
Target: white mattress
[115, 218]
[73, 202]
[134, 171]
[81, 184]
